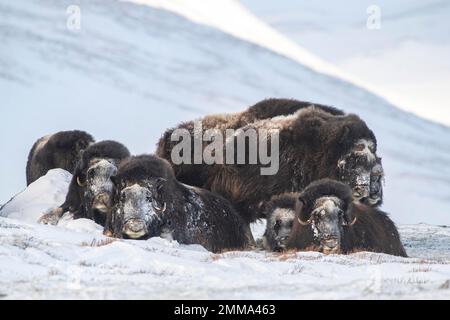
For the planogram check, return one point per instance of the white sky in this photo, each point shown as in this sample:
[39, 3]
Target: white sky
[406, 60]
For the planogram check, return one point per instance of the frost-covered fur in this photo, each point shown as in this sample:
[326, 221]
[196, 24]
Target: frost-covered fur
[91, 189]
[152, 203]
[59, 150]
[375, 198]
[329, 221]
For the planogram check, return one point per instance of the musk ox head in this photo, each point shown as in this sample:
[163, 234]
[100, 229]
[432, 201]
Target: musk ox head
[356, 166]
[98, 188]
[375, 197]
[140, 208]
[93, 178]
[325, 207]
[280, 226]
[280, 216]
[142, 187]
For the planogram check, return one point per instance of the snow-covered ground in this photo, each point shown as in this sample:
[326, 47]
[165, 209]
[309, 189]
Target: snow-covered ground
[75, 261]
[406, 60]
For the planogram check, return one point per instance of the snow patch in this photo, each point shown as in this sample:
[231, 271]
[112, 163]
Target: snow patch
[46, 193]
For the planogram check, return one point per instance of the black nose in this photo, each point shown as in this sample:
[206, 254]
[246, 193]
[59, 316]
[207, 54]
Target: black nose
[360, 192]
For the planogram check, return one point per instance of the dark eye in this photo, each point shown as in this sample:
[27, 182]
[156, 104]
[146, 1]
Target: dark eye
[277, 224]
[122, 197]
[291, 224]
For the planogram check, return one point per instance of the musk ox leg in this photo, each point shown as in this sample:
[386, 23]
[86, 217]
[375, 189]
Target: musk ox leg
[108, 229]
[52, 217]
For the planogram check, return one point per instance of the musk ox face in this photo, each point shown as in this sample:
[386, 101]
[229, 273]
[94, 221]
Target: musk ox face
[355, 168]
[327, 218]
[99, 188]
[279, 227]
[375, 197]
[140, 208]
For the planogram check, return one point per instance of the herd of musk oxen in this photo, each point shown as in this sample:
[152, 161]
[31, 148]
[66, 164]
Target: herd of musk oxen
[324, 197]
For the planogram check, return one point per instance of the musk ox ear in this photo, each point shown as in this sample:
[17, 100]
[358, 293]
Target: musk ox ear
[349, 216]
[299, 205]
[302, 217]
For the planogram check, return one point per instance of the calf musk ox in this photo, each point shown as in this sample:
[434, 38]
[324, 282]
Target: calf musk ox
[150, 202]
[196, 175]
[329, 221]
[91, 189]
[280, 213]
[59, 150]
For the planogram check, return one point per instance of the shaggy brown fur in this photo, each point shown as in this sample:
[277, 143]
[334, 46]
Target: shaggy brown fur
[372, 231]
[190, 215]
[59, 150]
[311, 146]
[312, 140]
[196, 175]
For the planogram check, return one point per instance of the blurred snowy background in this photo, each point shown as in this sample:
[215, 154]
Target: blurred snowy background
[127, 70]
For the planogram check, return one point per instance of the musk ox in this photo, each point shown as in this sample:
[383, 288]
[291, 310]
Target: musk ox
[90, 193]
[329, 221]
[313, 144]
[280, 213]
[59, 150]
[195, 174]
[150, 202]
[316, 142]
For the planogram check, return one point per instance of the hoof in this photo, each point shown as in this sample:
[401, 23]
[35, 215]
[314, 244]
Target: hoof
[51, 218]
[108, 233]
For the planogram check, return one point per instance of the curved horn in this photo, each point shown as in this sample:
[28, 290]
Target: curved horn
[80, 183]
[163, 209]
[303, 223]
[353, 222]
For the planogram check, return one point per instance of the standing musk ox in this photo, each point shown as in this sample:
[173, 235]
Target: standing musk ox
[195, 174]
[150, 202]
[313, 144]
[59, 150]
[269, 114]
[91, 189]
[328, 220]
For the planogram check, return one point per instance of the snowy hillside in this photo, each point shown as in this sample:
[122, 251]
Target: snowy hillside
[132, 71]
[75, 261]
[405, 60]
